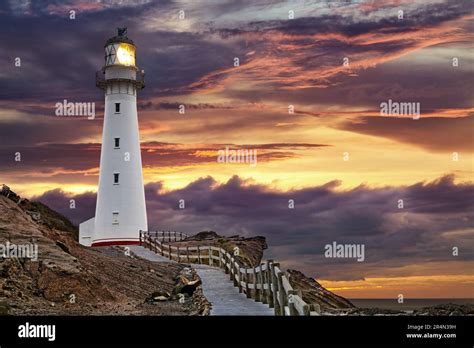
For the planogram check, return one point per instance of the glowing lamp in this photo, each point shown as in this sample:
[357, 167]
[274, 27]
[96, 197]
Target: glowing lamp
[120, 50]
[126, 54]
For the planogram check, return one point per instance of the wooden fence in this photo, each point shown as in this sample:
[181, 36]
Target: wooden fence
[266, 283]
[167, 236]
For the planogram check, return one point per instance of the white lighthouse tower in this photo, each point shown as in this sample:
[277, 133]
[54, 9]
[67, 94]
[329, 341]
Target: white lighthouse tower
[120, 211]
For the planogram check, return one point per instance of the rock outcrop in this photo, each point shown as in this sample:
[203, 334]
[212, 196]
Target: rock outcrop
[315, 293]
[250, 250]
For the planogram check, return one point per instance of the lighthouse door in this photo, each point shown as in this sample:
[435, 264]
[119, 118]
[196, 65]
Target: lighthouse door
[115, 221]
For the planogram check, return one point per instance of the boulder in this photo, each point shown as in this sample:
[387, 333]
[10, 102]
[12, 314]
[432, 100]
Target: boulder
[158, 296]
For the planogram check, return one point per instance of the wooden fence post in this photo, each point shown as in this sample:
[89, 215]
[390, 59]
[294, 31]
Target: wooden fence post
[259, 284]
[306, 307]
[233, 272]
[211, 262]
[315, 307]
[224, 259]
[256, 293]
[269, 293]
[281, 294]
[241, 278]
[239, 284]
[229, 269]
[179, 258]
[274, 281]
[199, 255]
[291, 304]
[187, 254]
[220, 258]
[263, 296]
[247, 284]
[238, 276]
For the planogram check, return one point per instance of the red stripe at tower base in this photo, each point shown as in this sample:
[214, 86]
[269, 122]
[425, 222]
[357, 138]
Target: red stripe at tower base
[117, 242]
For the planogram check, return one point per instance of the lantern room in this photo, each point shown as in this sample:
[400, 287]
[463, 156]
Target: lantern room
[120, 64]
[120, 50]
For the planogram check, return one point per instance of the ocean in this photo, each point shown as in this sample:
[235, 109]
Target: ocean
[408, 304]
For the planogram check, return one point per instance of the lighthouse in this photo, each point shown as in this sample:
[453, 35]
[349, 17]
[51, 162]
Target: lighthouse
[120, 210]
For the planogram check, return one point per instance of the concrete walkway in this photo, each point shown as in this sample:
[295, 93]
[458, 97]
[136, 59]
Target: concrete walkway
[217, 288]
[225, 297]
[147, 254]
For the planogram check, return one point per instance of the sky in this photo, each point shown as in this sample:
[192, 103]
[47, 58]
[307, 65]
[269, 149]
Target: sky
[306, 95]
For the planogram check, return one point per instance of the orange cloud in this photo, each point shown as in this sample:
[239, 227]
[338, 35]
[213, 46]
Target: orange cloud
[297, 61]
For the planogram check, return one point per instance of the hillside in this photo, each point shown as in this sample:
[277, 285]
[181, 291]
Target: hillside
[68, 278]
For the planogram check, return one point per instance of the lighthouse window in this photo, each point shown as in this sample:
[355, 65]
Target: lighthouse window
[117, 108]
[116, 178]
[117, 143]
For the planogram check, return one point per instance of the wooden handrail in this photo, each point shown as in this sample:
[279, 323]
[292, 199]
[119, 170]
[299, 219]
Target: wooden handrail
[265, 283]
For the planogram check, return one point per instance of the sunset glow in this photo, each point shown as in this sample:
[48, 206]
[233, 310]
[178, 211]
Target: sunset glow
[305, 94]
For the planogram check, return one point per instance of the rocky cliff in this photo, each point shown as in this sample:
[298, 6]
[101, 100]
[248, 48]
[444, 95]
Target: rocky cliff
[67, 278]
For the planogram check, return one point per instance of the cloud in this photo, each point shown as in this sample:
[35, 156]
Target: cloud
[44, 130]
[59, 56]
[308, 52]
[83, 206]
[436, 134]
[150, 105]
[425, 229]
[302, 53]
[52, 159]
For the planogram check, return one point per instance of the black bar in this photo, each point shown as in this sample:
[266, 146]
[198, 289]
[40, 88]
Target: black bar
[288, 331]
